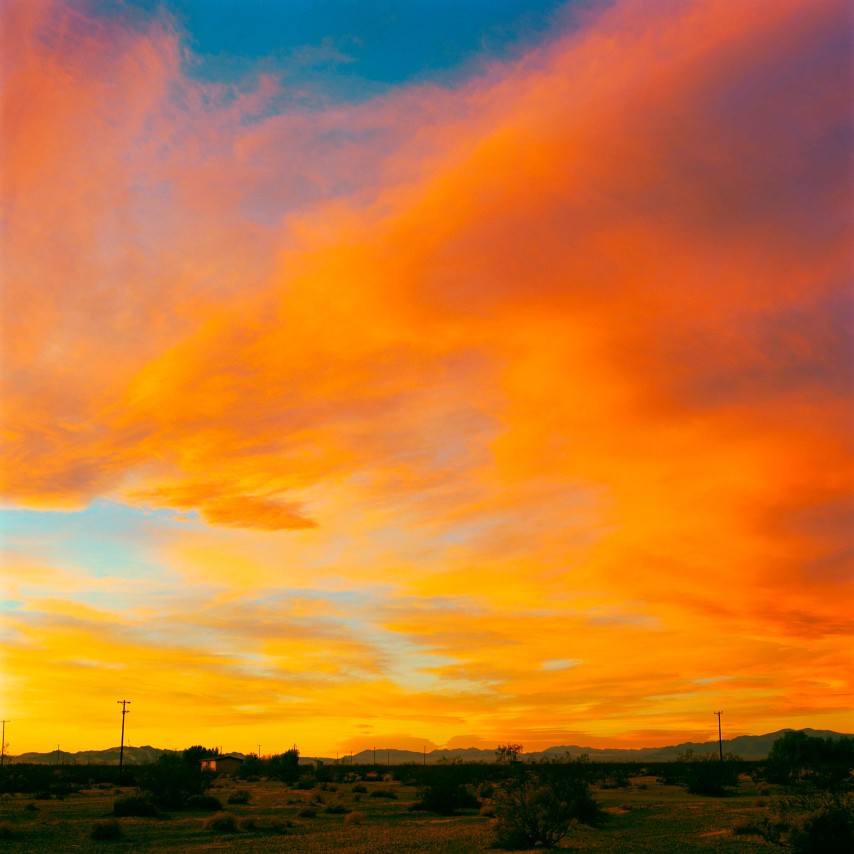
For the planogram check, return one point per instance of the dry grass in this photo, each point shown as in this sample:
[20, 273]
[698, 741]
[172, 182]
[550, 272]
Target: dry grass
[647, 820]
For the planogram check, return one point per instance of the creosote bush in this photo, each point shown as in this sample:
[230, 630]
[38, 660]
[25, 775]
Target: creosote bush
[241, 796]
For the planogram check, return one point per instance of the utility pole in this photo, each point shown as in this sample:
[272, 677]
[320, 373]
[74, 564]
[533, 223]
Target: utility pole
[375, 756]
[424, 753]
[124, 705]
[259, 751]
[720, 737]
[3, 743]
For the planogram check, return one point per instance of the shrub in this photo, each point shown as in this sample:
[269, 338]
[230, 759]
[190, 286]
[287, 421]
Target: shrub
[134, 806]
[171, 781]
[273, 825]
[745, 827]
[307, 812]
[535, 808]
[445, 798]
[359, 788]
[7, 830]
[829, 830]
[31, 807]
[222, 822]
[241, 796]
[354, 818]
[389, 794]
[336, 809]
[705, 774]
[106, 830]
[204, 802]
[485, 790]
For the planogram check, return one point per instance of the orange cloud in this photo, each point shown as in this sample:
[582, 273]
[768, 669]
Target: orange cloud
[553, 366]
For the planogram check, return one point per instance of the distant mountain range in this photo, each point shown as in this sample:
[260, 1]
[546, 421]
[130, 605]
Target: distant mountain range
[744, 746]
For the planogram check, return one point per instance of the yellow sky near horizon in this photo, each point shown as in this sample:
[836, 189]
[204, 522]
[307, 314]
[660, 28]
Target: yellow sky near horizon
[531, 422]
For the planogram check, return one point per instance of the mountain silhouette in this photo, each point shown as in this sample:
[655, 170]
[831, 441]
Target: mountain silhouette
[752, 747]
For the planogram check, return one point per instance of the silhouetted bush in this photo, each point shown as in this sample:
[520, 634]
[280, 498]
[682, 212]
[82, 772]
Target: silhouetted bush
[241, 796]
[307, 812]
[223, 822]
[536, 807]
[389, 794]
[705, 774]
[798, 759]
[103, 831]
[359, 788]
[203, 802]
[445, 793]
[171, 781]
[134, 806]
[336, 809]
[829, 830]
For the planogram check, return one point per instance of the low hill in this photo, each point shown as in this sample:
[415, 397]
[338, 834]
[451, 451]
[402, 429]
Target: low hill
[751, 747]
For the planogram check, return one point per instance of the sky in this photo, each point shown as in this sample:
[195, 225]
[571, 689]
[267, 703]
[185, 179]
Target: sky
[407, 374]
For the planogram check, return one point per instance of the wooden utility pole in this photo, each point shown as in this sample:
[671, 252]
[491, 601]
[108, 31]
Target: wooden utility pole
[124, 705]
[720, 737]
[3, 743]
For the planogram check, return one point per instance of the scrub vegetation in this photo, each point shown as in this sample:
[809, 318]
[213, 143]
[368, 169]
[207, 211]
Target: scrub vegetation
[798, 801]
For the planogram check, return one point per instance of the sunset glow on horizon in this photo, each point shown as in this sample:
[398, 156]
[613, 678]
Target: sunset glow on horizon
[402, 387]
